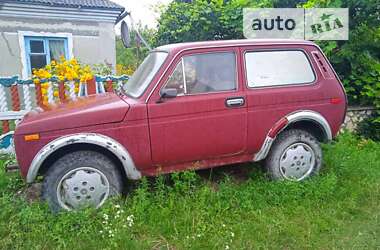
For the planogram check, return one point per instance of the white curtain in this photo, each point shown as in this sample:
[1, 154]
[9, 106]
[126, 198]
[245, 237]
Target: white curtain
[57, 49]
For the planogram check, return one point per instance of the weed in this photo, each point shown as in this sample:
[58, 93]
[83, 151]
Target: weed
[337, 209]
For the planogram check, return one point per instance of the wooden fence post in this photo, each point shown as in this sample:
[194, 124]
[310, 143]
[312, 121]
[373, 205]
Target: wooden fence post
[109, 86]
[39, 94]
[91, 86]
[15, 98]
[4, 108]
[61, 91]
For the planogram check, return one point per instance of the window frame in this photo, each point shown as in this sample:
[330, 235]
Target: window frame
[160, 68]
[46, 44]
[279, 85]
[181, 60]
[23, 53]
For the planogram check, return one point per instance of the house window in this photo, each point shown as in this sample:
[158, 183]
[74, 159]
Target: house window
[40, 51]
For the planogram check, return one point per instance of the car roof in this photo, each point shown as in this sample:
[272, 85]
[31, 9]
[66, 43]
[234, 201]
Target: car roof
[175, 47]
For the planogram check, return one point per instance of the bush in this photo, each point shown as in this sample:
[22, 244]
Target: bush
[370, 127]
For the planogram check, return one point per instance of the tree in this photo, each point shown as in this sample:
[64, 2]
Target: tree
[357, 60]
[203, 20]
[132, 57]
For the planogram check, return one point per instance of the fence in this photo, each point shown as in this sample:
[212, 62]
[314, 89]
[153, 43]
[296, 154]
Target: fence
[17, 97]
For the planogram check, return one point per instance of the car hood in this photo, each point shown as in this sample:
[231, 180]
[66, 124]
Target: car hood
[85, 111]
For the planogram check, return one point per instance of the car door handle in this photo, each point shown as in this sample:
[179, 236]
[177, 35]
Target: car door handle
[235, 102]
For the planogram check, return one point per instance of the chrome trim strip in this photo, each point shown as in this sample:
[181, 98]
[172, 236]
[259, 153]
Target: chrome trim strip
[264, 150]
[311, 115]
[90, 138]
[294, 117]
[183, 75]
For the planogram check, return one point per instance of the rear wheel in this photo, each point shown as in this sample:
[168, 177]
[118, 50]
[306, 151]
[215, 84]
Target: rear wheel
[81, 179]
[295, 155]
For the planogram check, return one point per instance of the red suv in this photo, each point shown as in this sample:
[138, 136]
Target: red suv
[188, 106]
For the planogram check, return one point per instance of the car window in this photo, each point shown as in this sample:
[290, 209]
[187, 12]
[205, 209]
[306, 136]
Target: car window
[176, 80]
[203, 73]
[144, 74]
[273, 68]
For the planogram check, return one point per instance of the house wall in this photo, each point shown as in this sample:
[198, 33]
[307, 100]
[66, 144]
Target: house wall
[93, 42]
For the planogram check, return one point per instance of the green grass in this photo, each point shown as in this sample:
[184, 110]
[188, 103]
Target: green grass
[216, 210]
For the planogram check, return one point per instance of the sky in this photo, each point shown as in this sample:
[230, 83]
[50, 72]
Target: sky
[142, 10]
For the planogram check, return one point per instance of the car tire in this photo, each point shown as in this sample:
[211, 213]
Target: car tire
[81, 179]
[295, 155]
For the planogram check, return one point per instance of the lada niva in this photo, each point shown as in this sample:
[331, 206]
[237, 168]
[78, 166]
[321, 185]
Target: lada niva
[188, 106]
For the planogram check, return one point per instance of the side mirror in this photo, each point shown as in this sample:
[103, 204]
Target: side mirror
[168, 93]
[125, 35]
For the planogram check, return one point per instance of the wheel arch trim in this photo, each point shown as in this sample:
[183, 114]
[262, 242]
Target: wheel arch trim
[301, 115]
[89, 138]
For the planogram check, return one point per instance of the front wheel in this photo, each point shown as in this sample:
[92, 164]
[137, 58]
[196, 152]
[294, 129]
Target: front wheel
[81, 179]
[295, 155]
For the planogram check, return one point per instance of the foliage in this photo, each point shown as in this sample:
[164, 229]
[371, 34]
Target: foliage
[357, 61]
[215, 210]
[203, 20]
[125, 70]
[369, 128]
[128, 59]
[101, 69]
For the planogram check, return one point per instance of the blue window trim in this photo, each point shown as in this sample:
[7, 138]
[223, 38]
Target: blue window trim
[45, 41]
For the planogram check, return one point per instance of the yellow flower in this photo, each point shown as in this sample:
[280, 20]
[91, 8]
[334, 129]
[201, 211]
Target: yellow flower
[75, 75]
[36, 81]
[45, 85]
[56, 94]
[69, 76]
[44, 92]
[73, 61]
[61, 78]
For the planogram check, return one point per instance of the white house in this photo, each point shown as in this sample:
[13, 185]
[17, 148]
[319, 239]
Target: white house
[35, 32]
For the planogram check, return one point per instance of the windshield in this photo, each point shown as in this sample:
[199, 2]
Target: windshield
[144, 74]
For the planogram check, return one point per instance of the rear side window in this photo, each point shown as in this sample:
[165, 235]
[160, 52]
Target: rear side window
[203, 73]
[276, 68]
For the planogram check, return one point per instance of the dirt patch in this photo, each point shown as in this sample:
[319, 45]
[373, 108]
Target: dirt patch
[31, 193]
[238, 172]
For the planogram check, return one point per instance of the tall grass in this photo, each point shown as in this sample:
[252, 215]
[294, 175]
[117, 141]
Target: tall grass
[216, 210]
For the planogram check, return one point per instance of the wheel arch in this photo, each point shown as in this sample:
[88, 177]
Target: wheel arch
[86, 141]
[309, 120]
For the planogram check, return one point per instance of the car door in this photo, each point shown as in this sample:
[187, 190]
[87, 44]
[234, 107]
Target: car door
[208, 117]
